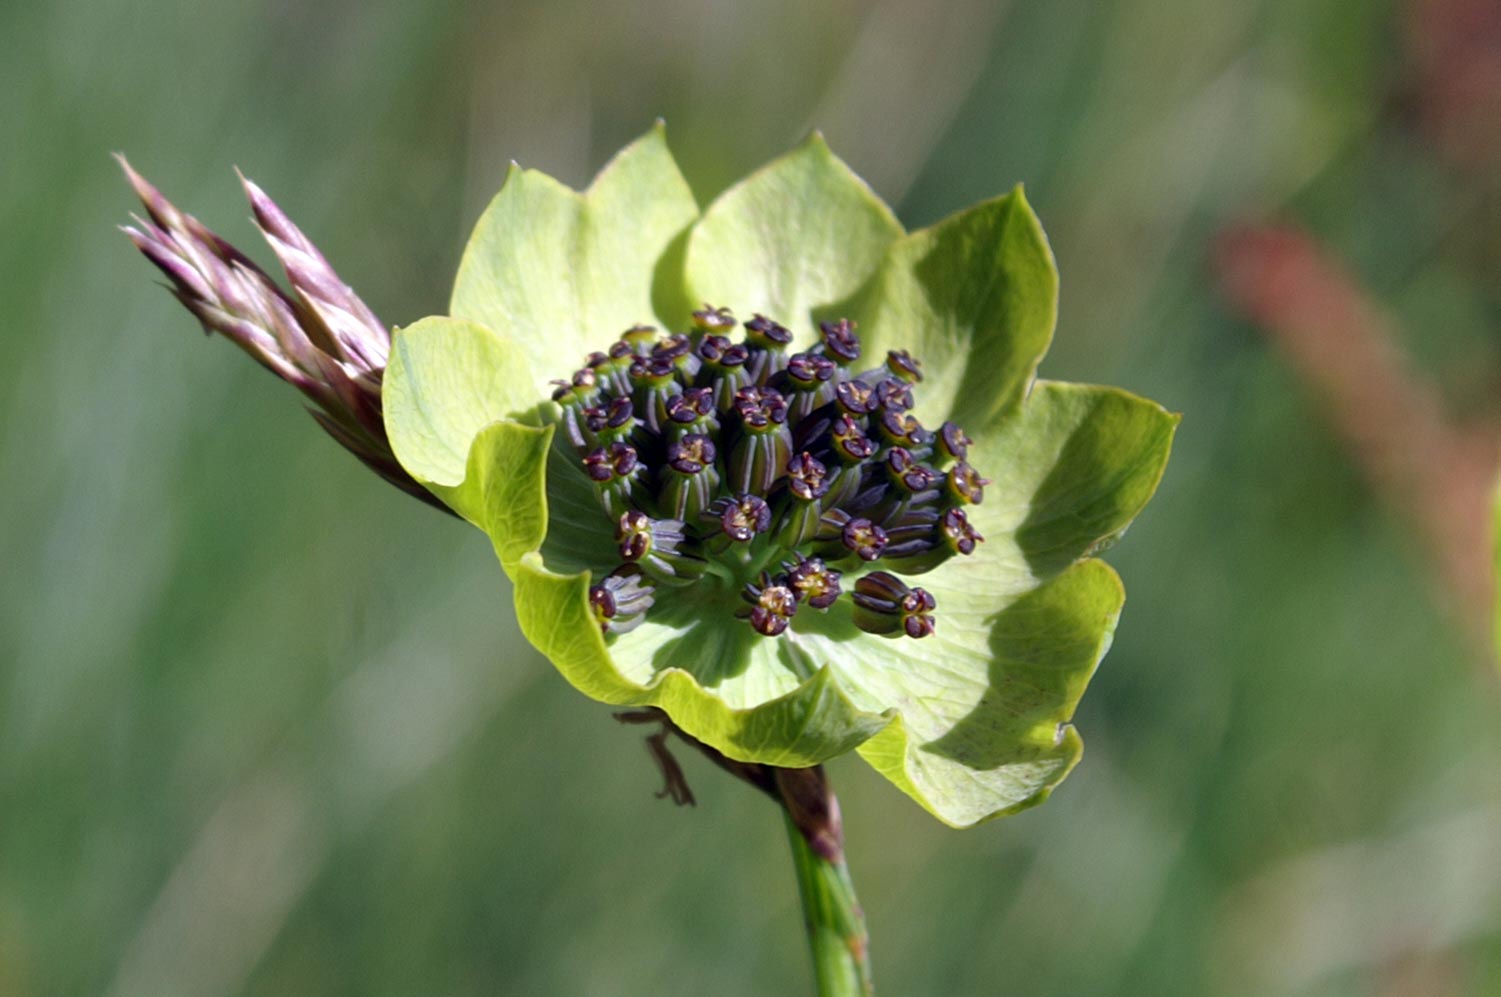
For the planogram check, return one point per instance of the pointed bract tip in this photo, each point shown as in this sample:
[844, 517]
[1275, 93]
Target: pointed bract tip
[251, 188]
[267, 214]
[143, 188]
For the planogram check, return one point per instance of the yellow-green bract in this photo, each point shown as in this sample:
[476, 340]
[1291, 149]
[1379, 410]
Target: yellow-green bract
[972, 722]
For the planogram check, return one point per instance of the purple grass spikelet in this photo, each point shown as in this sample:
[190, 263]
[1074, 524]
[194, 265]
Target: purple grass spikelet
[319, 337]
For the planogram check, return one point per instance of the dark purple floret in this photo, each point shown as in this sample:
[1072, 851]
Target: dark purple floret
[864, 539]
[951, 443]
[808, 370]
[612, 421]
[763, 332]
[672, 348]
[772, 606]
[580, 387]
[720, 352]
[850, 444]
[605, 464]
[634, 535]
[807, 478]
[744, 517]
[958, 533]
[814, 582]
[885, 605]
[691, 406]
[856, 397]
[760, 408]
[840, 343]
[713, 320]
[894, 395]
[904, 366]
[691, 454]
[917, 613]
[652, 370]
[620, 600]
[905, 471]
[900, 429]
[965, 484]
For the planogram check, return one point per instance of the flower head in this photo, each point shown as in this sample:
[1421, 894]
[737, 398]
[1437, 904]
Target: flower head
[783, 470]
[756, 482]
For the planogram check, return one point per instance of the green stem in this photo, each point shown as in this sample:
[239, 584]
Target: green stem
[836, 925]
[835, 922]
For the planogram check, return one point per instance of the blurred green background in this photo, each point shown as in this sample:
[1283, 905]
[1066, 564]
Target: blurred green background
[267, 725]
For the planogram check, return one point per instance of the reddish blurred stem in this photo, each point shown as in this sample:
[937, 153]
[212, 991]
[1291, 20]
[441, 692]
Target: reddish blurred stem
[1345, 347]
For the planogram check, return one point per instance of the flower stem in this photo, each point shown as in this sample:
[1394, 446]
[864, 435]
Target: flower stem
[836, 925]
[832, 914]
